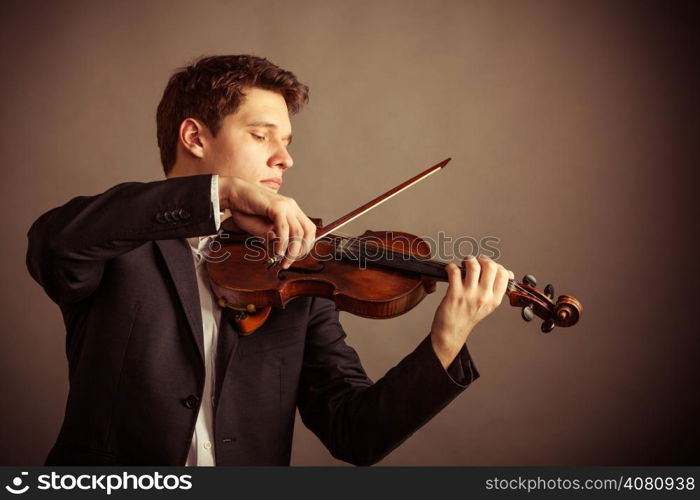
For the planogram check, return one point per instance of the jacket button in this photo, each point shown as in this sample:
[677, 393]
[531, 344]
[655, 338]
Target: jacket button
[191, 401]
[159, 218]
[184, 214]
[166, 216]
[174, 215]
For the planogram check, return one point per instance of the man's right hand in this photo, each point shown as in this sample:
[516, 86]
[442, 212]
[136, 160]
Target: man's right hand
[260, 212]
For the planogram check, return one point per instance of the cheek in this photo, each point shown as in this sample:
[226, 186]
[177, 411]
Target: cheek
[242, 161]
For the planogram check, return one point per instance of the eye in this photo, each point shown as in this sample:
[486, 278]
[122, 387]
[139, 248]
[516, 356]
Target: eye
[258, 137]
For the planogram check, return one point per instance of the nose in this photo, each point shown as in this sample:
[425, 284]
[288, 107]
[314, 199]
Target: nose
[281, 158]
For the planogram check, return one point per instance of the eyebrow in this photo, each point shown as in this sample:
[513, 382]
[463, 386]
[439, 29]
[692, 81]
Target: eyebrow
[270, 125]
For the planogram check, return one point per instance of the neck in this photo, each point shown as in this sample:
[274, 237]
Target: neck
[185, 168]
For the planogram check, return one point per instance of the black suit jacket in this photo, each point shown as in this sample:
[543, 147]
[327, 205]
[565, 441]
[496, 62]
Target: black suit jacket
[122, 274]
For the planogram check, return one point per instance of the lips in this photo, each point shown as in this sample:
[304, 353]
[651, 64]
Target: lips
[274, 182]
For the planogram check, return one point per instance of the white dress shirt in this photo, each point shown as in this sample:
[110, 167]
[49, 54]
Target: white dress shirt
[202, 446]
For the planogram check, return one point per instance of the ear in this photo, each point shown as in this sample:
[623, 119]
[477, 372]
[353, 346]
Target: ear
[192, 136]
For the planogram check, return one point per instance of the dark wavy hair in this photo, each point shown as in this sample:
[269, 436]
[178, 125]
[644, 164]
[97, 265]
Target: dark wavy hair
[212, 88]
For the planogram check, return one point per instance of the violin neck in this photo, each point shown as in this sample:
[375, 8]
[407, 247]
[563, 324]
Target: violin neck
[397, 261]
[428, 268]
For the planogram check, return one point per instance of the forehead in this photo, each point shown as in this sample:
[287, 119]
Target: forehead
[261, 105]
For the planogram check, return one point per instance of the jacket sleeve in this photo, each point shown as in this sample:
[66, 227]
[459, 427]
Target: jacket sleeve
[69, 245]
[359, 421]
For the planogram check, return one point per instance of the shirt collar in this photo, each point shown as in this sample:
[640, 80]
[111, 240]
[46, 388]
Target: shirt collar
[199, 246]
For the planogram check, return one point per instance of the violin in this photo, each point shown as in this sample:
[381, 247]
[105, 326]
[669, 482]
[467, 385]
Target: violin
[379, 274]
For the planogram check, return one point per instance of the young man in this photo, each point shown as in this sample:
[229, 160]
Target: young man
[158, 372]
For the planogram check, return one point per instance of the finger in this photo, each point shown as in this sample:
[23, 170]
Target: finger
[282, 233]
[269, 238]
[294, 247]
[500, 284]
[230, 225]
[488, 273]
[454, 277]
[309, 235]
[473, 270]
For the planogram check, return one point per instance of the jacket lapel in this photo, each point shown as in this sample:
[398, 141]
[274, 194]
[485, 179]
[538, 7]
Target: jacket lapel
[178, 258]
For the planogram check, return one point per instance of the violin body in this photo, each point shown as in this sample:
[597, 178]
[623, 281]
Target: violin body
[240, 277]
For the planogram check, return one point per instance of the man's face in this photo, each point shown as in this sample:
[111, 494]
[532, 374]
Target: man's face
[252, 142]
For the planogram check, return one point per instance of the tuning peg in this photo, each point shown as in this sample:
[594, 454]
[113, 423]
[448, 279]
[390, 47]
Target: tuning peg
[549, 291]
[529, 279]
[547, 325]
[528, 313]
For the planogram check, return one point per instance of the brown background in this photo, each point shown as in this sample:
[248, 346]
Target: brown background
[572, 128]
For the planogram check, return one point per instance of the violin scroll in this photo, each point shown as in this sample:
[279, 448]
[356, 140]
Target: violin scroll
[565, 311]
